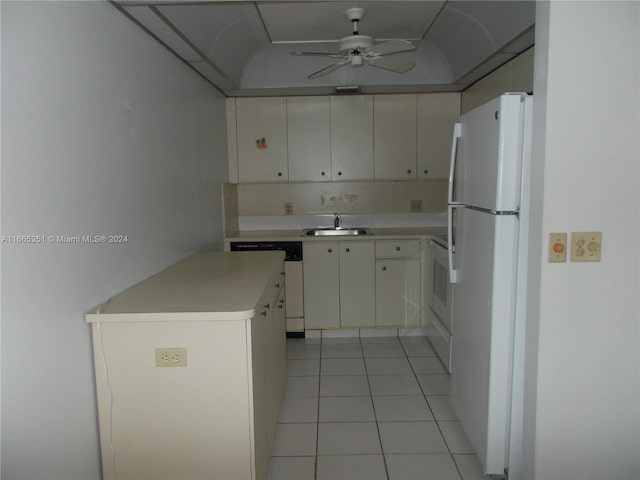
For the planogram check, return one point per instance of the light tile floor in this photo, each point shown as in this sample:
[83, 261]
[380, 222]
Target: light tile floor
[369, 408]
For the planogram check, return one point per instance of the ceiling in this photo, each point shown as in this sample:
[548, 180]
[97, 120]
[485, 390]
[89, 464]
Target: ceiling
[243, 47]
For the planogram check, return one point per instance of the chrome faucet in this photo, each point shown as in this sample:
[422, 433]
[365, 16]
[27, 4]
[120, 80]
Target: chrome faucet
[336, 221]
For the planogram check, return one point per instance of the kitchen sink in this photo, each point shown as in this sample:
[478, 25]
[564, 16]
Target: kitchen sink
[330, 231]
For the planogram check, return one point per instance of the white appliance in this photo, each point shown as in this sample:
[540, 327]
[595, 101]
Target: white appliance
[488, 214]
[440, 299]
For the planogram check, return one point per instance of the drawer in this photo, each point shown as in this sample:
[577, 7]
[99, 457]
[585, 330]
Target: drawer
[397, 248]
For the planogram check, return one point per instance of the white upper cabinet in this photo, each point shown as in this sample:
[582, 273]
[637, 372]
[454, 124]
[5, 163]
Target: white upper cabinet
[309, 139]
[262, 139]
[352, 137]
[394, 137]
[437, 113]
[341, 138]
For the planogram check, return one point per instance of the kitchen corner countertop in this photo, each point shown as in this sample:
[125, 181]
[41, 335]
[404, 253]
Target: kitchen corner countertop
[297, 236]
[206, 286]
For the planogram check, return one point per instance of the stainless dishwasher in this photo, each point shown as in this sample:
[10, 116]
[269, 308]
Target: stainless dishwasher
[293, 294]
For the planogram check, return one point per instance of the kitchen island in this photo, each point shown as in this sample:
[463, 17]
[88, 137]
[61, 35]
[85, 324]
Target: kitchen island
[190, 369]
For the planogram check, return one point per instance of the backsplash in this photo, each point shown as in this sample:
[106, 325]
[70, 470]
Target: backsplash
[263, 206]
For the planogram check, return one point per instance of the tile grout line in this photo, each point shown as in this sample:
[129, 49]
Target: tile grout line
[375, 416]
[424, 394]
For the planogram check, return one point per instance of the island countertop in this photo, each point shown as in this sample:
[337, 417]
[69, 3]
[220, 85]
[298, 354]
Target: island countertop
[204, 286]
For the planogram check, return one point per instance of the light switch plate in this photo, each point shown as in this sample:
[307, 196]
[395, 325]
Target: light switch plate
[557, 247]
[586, 246]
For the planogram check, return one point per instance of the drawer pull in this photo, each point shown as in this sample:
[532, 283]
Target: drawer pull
[264, 314]
[277, 285]
[397, 249]
[384, 268]
[329, 250]
[347, 249]
[267, 306]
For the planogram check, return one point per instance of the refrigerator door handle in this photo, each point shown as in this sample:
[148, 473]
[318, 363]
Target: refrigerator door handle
[457, 133]
[453, 273]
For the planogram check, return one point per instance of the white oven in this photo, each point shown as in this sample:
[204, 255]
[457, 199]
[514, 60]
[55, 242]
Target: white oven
[440, 297]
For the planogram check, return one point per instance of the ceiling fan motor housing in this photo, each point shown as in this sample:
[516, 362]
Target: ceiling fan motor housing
[355, 43]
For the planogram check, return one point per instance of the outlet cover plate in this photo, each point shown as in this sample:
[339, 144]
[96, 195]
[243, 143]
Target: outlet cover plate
[586, 246]
[171, 357]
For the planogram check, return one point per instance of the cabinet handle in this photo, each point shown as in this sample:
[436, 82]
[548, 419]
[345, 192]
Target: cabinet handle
[347, 249]
[339, 173]
[397, 249]
[277, 285]
[264, 314]
[384, 268]
[322, 173]
[408, 170]
[329, 250]
[267, 306]
[280, 306]
[426, 171]
[279, 174]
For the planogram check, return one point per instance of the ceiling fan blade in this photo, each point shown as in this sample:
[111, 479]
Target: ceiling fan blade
[392, 46]
[328, 70]
[317, 54]
[397, 65]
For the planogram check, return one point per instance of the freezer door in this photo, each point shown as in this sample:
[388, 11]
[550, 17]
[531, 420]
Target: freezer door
[488, 163]
[482, 330]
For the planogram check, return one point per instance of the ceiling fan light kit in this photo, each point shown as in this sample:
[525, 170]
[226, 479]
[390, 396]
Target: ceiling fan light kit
[359, 49]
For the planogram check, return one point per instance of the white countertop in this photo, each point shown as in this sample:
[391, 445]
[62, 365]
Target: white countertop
[204, 286]
[296, 235]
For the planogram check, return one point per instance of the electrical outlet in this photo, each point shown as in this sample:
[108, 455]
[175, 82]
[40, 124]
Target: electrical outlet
[288, 208]
[586, 246]
[416, 206]
[171, 357]
[557, 247]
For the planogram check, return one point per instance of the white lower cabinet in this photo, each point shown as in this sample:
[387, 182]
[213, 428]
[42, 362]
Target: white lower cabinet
[339, 284]
[321, 285]
[357, 287]
[398, 283]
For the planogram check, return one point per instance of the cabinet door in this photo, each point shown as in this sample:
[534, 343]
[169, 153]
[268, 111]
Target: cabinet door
[321, 285]
[398, 298]
[352, 137]
[309, 140]
[279, 358]
[437, 112]
[260, 327]
[394, 137]
[357, 284]
[262, 139]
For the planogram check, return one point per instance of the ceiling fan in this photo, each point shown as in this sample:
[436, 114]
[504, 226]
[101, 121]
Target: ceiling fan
[357, 49]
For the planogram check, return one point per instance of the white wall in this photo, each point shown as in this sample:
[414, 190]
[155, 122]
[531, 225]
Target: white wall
[583, 415]
[103, 132]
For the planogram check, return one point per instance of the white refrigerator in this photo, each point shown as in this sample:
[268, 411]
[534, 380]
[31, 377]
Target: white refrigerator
[488, 223]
